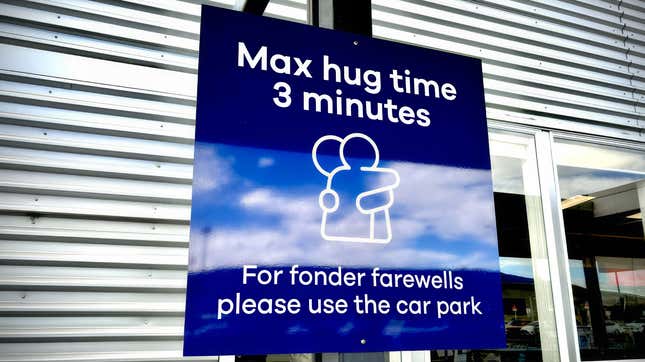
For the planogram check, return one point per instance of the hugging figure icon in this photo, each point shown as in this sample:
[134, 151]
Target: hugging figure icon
[358, 194]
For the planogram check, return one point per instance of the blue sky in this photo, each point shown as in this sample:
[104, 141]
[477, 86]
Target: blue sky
[253, 205]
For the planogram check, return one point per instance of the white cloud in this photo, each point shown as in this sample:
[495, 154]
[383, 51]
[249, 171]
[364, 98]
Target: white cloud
[264, 162]
[211, 170]
[516, 266]
[507, 176]
[290, 207]
[285, 247]
[598, 157]
[585, 184]
[450, 203]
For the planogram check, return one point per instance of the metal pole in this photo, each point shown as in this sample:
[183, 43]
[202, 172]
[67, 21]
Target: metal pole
[353, 16]
[256, 7]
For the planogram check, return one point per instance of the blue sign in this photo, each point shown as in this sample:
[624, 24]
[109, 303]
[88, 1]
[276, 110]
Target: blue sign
[342, 196]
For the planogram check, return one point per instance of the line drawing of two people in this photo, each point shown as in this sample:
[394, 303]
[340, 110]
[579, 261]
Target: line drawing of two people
[350, 214]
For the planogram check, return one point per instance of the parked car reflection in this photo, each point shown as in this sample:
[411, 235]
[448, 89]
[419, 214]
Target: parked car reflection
[614, 328]
[513, 328]
[530, 329]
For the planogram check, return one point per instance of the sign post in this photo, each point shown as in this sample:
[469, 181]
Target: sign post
[342, 195]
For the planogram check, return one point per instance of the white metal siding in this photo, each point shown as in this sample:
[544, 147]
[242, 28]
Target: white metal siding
[577, 65]
[96, 131]
[97, 107]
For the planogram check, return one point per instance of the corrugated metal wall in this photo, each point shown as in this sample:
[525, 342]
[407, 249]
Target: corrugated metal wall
[97, 105]
[577, 64]
[96, 125]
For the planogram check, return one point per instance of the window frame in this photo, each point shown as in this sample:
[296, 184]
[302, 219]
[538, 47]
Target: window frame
[558, 257]
[551, 190]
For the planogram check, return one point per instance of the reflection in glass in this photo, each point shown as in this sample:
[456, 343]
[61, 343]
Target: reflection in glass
[526, 290]
[603, 194]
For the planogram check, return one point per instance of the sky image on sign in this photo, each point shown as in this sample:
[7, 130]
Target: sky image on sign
[342, 195]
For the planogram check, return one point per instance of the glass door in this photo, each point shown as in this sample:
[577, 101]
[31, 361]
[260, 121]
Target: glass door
[529, 315]
[602, 191]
